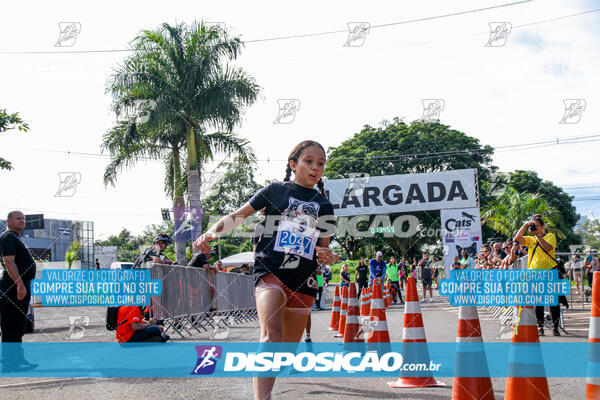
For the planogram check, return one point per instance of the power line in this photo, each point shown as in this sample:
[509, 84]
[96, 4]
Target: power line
[319, 33]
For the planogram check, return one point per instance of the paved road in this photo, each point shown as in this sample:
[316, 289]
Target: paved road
[440, 321]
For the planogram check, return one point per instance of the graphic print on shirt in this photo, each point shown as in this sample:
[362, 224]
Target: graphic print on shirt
[297, 233]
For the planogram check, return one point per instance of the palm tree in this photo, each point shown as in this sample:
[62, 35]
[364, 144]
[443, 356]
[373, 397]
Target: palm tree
[128, 142]
[507, 213]
[182, 70]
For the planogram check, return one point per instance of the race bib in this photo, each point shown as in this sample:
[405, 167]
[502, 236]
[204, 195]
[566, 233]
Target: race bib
[295, 238]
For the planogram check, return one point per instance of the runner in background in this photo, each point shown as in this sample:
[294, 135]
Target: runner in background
[361, 275]
[377, 269]
[284, 288]
[403, 271]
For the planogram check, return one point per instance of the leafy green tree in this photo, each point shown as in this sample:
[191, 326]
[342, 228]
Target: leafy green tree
[7, 122]
[508, 212]
[128, 245]
[590, 233]
[530, 182]
[73, 253]
[184, 70]
[398, 148]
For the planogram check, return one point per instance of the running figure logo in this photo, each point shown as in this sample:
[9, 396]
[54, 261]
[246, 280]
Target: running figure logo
[357, 33]
[499, 32]
[432, 109]
[68, 33]
[68, 184]
[287, 111]
[573, 110]
[207, 359]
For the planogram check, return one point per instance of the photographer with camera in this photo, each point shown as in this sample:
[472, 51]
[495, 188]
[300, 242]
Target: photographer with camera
[132, 327]
[154, 253]
[540, 256]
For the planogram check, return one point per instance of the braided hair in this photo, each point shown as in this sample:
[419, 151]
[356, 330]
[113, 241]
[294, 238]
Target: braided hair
[295, 154]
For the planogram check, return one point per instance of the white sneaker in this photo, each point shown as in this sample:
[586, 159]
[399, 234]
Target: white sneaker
[430, 300]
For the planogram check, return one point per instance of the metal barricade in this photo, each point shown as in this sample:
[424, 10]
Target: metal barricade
[185, 302]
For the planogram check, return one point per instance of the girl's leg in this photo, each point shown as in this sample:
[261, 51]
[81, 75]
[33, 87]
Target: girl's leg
[270, 305]
[293, 326]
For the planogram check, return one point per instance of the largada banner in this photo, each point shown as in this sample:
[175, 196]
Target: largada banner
[461, 229]
[361, 194]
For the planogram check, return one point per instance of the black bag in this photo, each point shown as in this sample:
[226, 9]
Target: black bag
[112, 318]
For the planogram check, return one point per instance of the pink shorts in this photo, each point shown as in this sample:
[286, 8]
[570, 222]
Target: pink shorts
[294, 301]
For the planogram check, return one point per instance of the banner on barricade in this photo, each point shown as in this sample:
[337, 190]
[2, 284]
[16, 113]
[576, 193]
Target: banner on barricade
[461, 230]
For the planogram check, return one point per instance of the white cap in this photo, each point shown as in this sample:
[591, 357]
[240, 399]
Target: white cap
[379, 254]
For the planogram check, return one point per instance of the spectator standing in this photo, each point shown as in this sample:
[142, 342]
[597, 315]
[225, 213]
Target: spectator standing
[591, 266]
[361, 276]
[577, 271]
[456, 264]
[392, 272]
[97, 264]
[426, 276]
[344, 276]
[377, 269]
[319, 276]
[465, 260]
[19, 270]
[541, 256]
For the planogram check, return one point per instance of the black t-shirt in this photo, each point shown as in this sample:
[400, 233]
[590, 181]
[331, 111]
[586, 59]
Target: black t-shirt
[501, 254]
[294, 217]
[346, 275]
[363, 273]
[12, 245]
[145, 257]
[426, 268]
[258, 230]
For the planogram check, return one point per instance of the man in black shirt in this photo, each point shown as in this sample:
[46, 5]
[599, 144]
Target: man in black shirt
[154, 253]
[19, 270]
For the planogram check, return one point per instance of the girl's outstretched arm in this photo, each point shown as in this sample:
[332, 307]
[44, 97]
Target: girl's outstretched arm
[225, 225]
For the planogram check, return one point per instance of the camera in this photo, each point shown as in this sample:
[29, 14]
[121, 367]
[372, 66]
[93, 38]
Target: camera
[160, 322]
[532, 228]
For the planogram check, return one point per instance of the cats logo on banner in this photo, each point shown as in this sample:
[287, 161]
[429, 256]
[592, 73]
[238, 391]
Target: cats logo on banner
[403, 193]
[461, 229]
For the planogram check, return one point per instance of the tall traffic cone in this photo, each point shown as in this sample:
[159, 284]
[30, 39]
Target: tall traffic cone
[368, 303]
[592, 390]
[413, 335]
[343, 311]
[335, 310]
[471, 374]
[525, 359]
[353, 331]
[364, 298]
[378, 329]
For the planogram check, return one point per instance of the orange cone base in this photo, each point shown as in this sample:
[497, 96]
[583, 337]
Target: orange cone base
[526, 388]
[472, 388]
[416, 382]
[592, 392]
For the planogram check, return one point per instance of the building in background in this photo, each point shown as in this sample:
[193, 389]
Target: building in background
[53, 241]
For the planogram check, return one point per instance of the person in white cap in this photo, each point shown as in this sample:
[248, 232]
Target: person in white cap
[377, 269]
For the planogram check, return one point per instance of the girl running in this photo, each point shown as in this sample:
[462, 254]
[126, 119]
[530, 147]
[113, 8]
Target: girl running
[287, 252]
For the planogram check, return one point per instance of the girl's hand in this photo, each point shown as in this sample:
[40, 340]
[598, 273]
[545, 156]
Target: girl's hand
[326, 256]
[201, 243]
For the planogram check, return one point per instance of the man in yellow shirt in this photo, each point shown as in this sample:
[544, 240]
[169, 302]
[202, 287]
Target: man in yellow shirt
[540, 250]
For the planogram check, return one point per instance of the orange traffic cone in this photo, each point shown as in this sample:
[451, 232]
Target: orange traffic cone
[592, 390]
[352, 331]
[470, 355]
[387, 299]
[335, 310]
[343, 311]
[413, 335]
[378, 329]
[368, 302]
[518, 386]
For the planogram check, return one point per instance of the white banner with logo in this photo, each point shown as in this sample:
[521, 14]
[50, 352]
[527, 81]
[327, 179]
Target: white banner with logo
[361, 194]
[461, 229]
